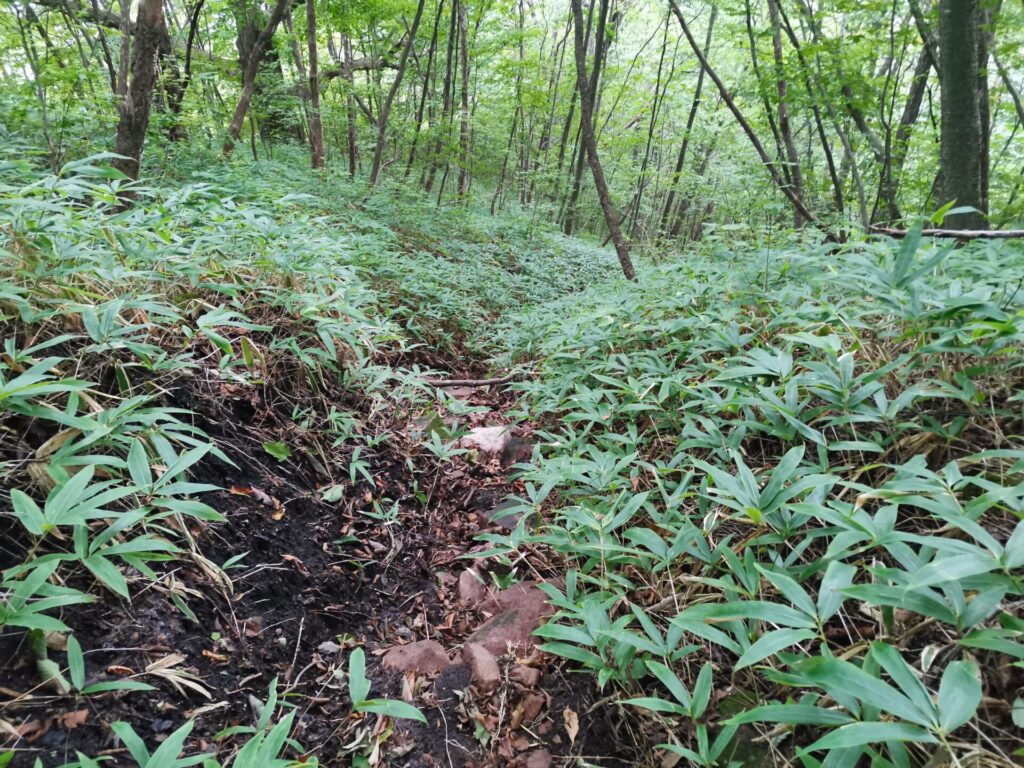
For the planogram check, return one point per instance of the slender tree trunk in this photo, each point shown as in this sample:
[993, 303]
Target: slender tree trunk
[385, 110]
[964, 137]
[176, 97]
[892, 168]
[583, 84]
[691, 119]
[252, 68]
[138, 98]
[316, 125]
[427, 87]
[731, 104]
[462, 188]
[446, 98]
[350, 105]
[569, 223]
[785, 130]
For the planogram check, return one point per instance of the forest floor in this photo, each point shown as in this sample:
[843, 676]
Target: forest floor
[382, 559]
[235, 468]
[320, 577]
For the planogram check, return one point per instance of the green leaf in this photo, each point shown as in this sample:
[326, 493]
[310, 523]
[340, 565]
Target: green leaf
[358, 685]
[391, 708]
[797, 714]
[138, 465]
[76, 662]
[837, 675]
[772, 643]
[838, 576]
[166, 755]
[655, 704]
[278, 450]
[858, 734]
[959, 695]
[117, 685]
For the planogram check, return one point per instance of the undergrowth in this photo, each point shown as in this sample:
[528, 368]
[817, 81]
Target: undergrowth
[786, 485]
[789, 487]
[118, 319]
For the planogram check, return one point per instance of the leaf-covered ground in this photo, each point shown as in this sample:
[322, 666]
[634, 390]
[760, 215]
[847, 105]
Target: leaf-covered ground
[768, 500]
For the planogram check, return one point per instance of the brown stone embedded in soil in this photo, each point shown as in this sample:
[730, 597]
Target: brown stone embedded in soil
[532, 704]
[424, 656]
[539, 758]
[472, 590]
[483, 665]
[517, 612]
[524, 675]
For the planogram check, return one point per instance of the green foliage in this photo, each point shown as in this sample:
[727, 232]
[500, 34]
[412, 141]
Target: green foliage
[747, 472]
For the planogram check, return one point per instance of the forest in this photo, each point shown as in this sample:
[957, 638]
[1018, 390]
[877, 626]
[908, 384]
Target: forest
[512, 383]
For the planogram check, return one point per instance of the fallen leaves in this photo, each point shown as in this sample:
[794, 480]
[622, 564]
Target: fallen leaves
[36, 728]
[572, 724]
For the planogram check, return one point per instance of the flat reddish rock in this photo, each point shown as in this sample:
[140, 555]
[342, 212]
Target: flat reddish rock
[426, 657]
[539, 758]
[516, 613]
[483, 665]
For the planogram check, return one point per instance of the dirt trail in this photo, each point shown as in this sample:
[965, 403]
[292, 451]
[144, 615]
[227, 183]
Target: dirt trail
[317, 579]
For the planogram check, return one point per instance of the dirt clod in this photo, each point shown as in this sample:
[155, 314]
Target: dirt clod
[426, 657]
[472, 590]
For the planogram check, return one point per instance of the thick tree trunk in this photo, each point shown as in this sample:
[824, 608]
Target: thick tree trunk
[138, 97]
[252, 68]
[316, 125]
[964, 136]
[385, 110]
[583, 85]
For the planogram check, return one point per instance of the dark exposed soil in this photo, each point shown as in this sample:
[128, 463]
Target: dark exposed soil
[316, 580]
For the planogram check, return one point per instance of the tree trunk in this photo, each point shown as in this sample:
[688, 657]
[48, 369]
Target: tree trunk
[889, 180]
[138, 97]
[462, 187]
[446, 98]
[350, 105]
[691, 119]
[785, 130]
[385, 110]
[428, 80]
[780, 182]
[252, 68]
[583, 85]
[316, 125]
[963, 141]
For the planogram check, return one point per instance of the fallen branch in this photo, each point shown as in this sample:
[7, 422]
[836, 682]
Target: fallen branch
[475, 382]
[959, 234]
